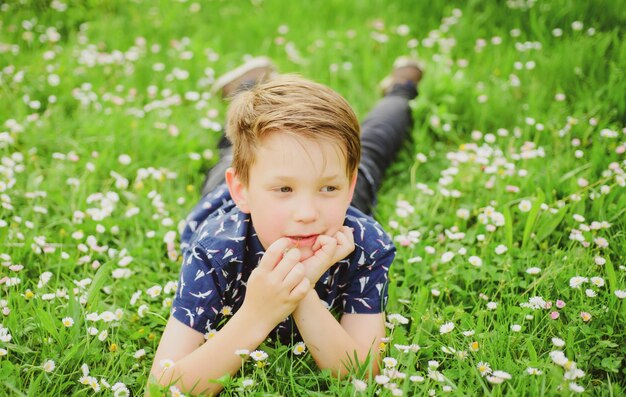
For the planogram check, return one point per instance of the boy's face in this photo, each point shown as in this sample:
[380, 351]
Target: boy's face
[298, 188]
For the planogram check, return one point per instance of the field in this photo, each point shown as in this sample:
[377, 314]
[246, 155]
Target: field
[508, 206]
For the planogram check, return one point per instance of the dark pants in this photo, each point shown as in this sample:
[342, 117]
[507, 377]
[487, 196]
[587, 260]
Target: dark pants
[382, 133]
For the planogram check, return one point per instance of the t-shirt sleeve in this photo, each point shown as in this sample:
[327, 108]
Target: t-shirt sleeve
[198, 297]
[207, 206]
[367, 292]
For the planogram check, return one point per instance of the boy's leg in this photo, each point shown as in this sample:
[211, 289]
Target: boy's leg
[384, 130]
[237, 80]
[216, 175]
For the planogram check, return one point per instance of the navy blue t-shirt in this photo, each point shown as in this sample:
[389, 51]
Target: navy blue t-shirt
[220, 249]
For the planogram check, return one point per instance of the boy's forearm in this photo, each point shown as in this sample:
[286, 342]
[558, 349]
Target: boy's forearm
[216, 357]
[329, 343]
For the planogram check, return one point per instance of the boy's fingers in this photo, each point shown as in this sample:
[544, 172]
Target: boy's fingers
[328, 245]
[275, 253]
[346, 233]
[345, 242]
[290, 259]
[349, 232]
[294, 276]
[342, 238]
[321, 240]
[301, 289]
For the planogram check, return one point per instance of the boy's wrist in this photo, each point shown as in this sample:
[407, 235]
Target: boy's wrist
[256, 323]
[311, 296]
[310, 299]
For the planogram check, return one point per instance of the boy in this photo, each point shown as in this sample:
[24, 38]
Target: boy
[277, 247]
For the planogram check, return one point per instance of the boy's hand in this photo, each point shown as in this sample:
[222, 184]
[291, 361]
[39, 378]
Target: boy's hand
[328, 251]
[277, 285]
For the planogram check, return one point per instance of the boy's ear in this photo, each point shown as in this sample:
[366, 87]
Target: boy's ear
[353, 184]
[238, 190]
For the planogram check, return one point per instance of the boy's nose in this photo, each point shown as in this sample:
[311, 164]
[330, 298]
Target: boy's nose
[306, 211]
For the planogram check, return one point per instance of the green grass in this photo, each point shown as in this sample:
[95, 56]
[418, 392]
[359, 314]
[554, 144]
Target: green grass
[499, 123]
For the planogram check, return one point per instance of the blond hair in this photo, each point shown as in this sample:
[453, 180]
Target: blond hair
[295, 105]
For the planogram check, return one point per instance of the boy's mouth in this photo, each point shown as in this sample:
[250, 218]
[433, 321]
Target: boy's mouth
[303, 241]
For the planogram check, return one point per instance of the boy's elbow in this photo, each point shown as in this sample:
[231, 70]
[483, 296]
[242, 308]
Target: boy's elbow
[375, 371]
[163, 382]
[370, 356]
[152, 386]
[346, 372]
[156, 384]
[365, 360]
[159, 380]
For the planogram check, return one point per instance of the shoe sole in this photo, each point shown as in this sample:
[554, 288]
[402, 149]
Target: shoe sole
[237, 73]
[400, 62]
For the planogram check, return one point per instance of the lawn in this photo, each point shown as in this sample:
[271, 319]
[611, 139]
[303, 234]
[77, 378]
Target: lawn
[508, 205]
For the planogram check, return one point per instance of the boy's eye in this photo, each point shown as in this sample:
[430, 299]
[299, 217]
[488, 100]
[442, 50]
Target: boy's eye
[329, 189]
[284, 189]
